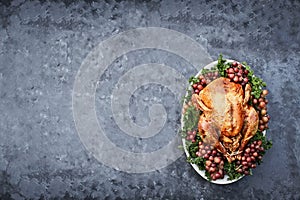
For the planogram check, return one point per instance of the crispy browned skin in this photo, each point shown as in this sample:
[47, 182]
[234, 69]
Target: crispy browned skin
[250, 126]
[210, 135]
[222, 101]
[227, 121]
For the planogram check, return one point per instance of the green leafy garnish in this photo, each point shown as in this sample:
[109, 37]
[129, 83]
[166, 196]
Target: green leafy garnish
[207, 174]
[266, 144]
[206, 71]
[200, 162]
[193, 148]
[250, 71]
[256, 83]
[187, 97]
[222, 66]
[193, 80]
[190, 118]
[230, 169]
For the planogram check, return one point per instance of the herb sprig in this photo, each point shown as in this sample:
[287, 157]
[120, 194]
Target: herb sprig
[256, 83]
[190, 118]
[230, 169]
[266, 144]
[222, 66]
[193, 80]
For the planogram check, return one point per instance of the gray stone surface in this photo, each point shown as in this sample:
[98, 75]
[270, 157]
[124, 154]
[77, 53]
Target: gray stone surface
[42, 45]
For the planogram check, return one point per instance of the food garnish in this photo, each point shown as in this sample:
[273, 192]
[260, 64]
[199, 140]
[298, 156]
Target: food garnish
[224, 120]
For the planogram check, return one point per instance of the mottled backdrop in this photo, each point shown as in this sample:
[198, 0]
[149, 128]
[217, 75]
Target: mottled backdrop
[42, 46]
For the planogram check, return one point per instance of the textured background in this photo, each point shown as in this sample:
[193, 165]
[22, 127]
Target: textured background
[42, 45]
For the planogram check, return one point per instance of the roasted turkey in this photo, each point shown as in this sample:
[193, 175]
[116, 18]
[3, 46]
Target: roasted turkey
[227, 121]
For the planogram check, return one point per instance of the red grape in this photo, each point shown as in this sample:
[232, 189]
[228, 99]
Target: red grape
[254, 101]
[217, 175]
[236, 79]
[200, 87]
[262, 104]
[263, 112]
[212, 169]
[230, 71]
[265, 92]
[247, 150]
[248, 159]
[265, 119]
[217, 160]
[208, 163]
[231, 76]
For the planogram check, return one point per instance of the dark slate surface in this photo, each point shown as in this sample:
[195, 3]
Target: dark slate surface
[42, 45]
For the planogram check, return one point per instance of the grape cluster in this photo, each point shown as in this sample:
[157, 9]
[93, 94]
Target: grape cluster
[237, 73]
[251, 155]
[261, 107]
[214, 163]
[204, 80]
[191, 136]
[210, 76]
[200, 85]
